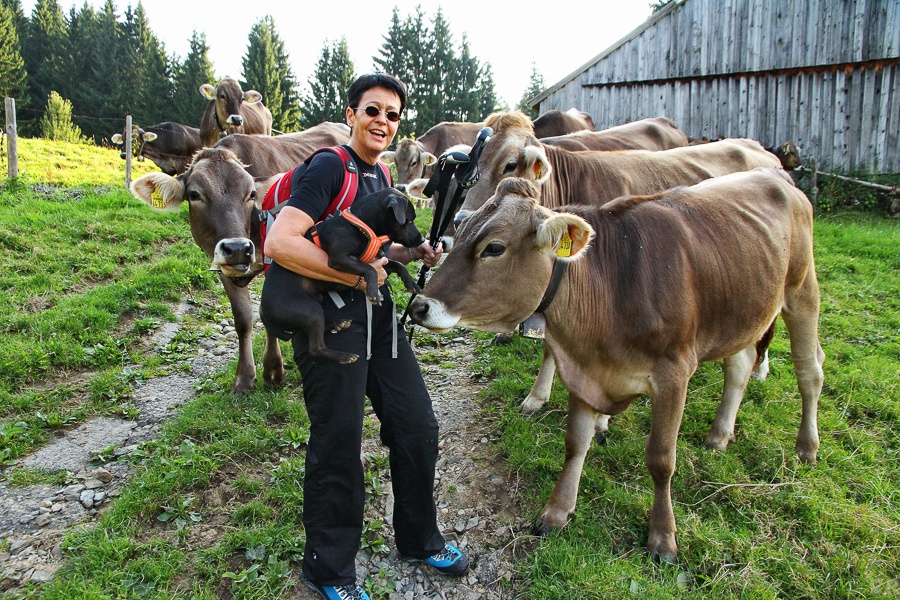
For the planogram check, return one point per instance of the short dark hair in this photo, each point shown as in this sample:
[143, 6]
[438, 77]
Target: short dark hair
[363, 83]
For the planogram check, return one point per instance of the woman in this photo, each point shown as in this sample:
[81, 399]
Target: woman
[387, 371]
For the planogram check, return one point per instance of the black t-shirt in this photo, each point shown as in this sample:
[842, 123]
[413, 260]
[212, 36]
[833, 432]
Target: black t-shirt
[313, 189]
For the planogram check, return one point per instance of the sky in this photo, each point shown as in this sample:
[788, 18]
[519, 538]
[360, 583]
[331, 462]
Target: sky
[557, 37]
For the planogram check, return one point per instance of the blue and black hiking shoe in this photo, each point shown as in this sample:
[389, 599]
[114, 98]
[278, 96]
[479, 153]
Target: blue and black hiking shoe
[338, 592]
[449, 561]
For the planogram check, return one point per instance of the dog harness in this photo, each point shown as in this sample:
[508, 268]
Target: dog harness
[375, 241]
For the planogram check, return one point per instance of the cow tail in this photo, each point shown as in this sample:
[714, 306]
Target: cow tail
[763, 344]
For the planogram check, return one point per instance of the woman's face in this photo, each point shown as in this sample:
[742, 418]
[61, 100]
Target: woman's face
[372, 135]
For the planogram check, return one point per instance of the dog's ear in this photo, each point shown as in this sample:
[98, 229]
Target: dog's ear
[398, 203]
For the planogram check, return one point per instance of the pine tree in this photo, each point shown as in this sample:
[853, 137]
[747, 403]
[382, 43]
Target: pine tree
[13, 82]
[535, 87]
[327, 98]
[44, 50]
[103, 92]
[266, 69]
[149, 97]
[196, 70]
[56, 124]
[438, 84]
[406, 54]
[489, 101]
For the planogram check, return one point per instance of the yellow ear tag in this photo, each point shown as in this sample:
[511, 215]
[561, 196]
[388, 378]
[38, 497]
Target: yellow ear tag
[157, 200]
[565, 245]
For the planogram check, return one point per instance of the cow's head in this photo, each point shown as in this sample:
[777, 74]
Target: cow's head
[228, 95]
[139, 137]
[501, 265]
[411, 160]
[512, 151]
[789, 155]
[223, 202]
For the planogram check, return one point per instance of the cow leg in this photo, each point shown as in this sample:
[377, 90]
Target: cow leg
[579, 431]
[273, 363]
[801, 318]
[737, 375]
[667, 409]
[242, 311]
[540, 391]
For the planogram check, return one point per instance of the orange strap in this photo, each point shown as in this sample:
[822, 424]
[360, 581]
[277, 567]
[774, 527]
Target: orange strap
[375, 242]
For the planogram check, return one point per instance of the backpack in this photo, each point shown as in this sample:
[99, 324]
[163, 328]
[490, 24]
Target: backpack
[279, 193]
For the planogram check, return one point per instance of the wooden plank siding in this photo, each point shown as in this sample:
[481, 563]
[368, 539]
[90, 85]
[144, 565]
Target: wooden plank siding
[823, 73]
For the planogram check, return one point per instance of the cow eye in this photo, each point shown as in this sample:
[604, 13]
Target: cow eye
[193, 195]
[493, 249]
[510, 166]
[253, 195]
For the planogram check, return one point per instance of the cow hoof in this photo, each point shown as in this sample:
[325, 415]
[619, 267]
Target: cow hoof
[242, 388]
[532, 404]
[668, 558]
[717, 443]
[542, 528]
[501, 339]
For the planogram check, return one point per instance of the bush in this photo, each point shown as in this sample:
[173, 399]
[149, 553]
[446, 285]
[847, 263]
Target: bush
[56, 124]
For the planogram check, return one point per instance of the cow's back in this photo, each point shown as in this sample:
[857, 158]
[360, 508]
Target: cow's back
[659, 133]
[449, 133]
[557, 122]
[265, 156]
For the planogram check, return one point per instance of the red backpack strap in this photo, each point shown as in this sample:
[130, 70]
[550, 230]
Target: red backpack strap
[387, 173]
[347, 194]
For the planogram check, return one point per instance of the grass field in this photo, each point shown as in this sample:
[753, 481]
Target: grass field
[94, 272]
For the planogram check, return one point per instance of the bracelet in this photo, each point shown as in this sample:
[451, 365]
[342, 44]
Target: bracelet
[409, 251]
[358, 283]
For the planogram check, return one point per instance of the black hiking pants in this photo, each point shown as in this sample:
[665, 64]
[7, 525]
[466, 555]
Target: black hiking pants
[333, 487]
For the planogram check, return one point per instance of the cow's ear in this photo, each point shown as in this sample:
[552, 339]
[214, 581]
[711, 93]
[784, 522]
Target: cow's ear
[149, 136]
[428, 159]
[252, 97]
[536, 164]
[387, 157]
[159, 190]
[416, 187]
[564, 235]
[117, 139]
[208, 91]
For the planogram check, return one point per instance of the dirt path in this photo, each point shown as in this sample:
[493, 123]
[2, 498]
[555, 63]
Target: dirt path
[477, 500]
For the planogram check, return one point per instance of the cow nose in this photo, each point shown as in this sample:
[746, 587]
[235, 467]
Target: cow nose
[418, 310]
[401, 187]
[237, 120]
[237, 251]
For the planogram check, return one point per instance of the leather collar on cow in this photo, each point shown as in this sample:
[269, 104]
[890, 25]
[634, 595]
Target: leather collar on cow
[559, 269]
[222, 131]
[375, 242]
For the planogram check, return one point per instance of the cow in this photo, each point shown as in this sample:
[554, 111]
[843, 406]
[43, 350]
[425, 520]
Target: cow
[596, 178]
[224, 201]
[658, 133]
[789, 155]
[232, 110]
[168, 144]
[651, 287]
[265, 155]
[415, 158]
[556, 122]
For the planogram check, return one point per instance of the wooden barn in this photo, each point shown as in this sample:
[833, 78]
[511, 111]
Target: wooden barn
[822, 73]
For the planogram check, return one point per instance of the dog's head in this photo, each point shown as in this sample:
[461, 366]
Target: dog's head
[389, 212]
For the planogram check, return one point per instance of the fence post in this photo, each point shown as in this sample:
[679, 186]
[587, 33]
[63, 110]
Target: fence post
[814, 183]
[11, 140]
[127, 151]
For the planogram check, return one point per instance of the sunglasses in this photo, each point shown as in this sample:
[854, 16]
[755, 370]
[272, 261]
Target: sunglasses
[392, 115]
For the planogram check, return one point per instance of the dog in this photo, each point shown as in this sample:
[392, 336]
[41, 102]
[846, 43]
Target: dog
[291, 302]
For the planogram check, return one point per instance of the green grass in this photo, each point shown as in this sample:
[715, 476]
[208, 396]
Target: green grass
[95, 272]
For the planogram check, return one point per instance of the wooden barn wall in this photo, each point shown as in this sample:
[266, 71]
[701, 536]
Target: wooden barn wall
[823, 73]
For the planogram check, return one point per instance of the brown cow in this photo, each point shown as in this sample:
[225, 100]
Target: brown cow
[557, 122]
[232, 110]
[596, 178]
[789, 155]
[265, 155]
[690, 275]
[225, 216]
[658, 133]
[415, 158]
[169, 145]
